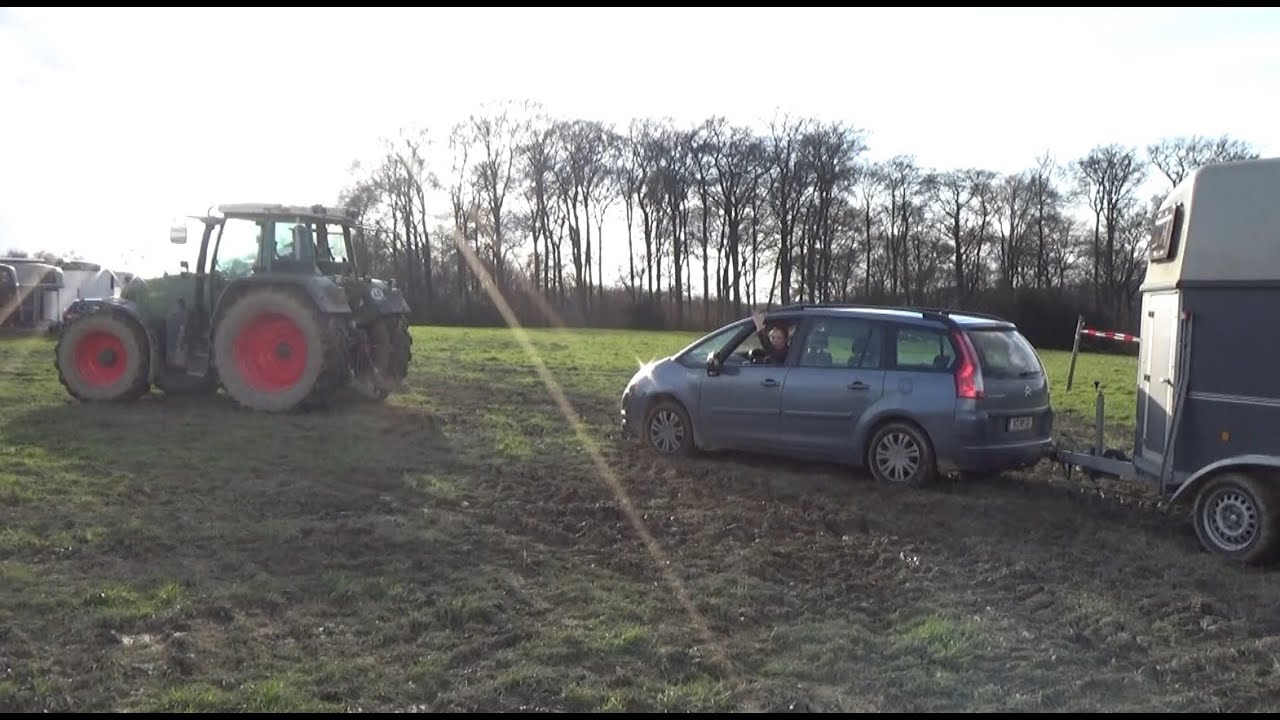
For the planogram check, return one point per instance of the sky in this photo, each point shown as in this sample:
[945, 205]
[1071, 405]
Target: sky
[115, 122]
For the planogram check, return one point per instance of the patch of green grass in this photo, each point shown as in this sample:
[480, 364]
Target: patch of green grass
[16, 572]
[270, 695]
[117, 605]
[1117, 375]
[940, 638]
[194, 698]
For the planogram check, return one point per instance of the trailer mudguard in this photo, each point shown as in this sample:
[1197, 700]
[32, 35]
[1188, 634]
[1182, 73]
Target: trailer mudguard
[1188, 489]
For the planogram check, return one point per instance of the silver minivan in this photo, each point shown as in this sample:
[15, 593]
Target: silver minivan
[906, 393]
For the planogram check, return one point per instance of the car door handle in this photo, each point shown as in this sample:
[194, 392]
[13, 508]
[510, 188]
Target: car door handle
[770, 382]
[858, 385]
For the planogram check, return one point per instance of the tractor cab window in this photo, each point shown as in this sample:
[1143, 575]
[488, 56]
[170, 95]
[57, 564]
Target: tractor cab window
[294, 241]
[331, 243]
[237, 251]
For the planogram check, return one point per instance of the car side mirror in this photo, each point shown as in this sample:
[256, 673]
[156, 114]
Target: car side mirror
[178, 235]
[713, 364]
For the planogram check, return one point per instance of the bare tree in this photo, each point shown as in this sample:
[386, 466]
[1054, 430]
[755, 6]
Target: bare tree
[1177, 157]
[1110, 176]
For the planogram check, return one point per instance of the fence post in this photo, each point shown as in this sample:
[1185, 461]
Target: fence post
[1075, 350]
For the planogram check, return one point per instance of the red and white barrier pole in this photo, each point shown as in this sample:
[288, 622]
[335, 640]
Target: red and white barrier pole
[1110, 335]
[1082, 330]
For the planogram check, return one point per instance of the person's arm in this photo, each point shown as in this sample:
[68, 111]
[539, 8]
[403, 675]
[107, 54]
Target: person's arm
[761, 333]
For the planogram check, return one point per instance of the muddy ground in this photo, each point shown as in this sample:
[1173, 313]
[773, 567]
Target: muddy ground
[461, 548]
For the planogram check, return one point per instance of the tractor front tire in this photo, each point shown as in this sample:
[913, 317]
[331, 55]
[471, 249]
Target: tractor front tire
[389, 352]
[104, 357]
[401, 348]
[274, 352]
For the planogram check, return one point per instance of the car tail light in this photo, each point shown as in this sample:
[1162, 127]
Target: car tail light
[968, 374]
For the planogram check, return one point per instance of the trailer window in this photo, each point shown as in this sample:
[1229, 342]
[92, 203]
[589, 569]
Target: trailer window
[1164, 234]
[1005, 354]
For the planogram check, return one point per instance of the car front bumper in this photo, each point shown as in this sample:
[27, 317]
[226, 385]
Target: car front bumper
[628, 419]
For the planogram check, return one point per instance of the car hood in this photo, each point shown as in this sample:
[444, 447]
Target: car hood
[652, 374]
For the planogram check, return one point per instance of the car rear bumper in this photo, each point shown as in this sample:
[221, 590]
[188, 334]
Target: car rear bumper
[984, 445]
[1011, 456]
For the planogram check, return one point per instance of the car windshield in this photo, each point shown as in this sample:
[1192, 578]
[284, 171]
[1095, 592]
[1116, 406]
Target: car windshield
[1005, 354]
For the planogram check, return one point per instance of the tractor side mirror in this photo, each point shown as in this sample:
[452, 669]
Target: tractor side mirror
[178, 235]
[185, 267]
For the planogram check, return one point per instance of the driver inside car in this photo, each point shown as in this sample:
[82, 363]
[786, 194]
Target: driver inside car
[776, 342]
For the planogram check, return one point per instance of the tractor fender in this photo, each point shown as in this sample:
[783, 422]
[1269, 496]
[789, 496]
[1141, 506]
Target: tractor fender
[124, 308]
[379, 299]
[328, 296]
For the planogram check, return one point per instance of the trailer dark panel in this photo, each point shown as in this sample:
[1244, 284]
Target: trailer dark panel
[1215, 427]
[1236, 341]
[1233, 386]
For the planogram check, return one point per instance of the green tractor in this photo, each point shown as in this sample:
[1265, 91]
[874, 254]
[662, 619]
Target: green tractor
[276, 312]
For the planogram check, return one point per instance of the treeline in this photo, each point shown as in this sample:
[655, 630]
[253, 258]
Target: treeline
[717, 219]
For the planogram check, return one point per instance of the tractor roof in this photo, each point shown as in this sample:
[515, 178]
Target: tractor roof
[262, 210]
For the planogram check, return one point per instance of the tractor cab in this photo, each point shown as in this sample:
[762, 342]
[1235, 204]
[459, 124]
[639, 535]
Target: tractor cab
[293, 240]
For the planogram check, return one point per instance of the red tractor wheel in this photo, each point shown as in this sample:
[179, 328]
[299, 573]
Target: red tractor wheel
[271, 350]
[103, 357]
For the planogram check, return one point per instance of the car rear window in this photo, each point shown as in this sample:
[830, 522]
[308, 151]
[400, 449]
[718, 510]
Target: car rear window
[1004, 354]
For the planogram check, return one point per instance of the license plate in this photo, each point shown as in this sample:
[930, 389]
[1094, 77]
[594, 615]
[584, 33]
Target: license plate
[1018, 424]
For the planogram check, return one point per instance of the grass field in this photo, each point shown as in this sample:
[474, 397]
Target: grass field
[465, 547]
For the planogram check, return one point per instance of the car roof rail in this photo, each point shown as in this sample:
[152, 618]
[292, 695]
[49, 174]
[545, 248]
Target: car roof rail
[926, 313]
[929, 313]
[970, 313]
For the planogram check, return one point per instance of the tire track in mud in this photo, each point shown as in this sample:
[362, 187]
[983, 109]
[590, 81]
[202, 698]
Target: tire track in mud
[1065, 583]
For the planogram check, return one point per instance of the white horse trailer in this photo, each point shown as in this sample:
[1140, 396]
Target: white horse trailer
[38, 293]
[9, 296]
[86, 281]
[1207, 424]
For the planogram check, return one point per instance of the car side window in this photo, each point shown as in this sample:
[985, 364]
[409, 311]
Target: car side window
[843, 343]
[918, 348]
[697, 355]
[753, 349]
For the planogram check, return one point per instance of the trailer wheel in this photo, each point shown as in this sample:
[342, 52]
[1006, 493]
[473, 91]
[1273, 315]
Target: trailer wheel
[1236, 516]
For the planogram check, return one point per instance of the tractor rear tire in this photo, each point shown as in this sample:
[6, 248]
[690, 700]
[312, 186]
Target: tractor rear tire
[104, 357]
[275, 352]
